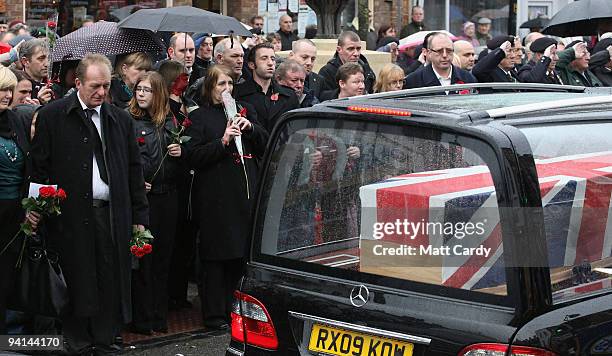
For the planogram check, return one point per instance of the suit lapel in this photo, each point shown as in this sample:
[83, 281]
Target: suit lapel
[429, 77]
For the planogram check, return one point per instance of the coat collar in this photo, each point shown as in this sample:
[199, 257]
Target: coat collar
[75, 105]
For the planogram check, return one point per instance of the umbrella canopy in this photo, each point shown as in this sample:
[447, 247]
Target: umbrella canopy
[126, 11]
[184, 19]
[105, 38]
[417, 38]
[580, 18]
[538, 22]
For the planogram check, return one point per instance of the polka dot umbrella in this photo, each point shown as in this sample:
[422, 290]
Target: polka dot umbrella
[104, 38]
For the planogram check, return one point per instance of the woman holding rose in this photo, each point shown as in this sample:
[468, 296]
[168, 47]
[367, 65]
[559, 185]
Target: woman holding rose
[161, 155]
[224, 191]
[15, 167]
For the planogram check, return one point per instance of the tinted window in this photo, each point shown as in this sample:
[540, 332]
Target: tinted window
[406, 203]
[574, 165]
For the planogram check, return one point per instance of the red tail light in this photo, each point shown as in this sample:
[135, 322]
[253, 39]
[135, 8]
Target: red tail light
[379, 111]
[501, 349]
[251, 319]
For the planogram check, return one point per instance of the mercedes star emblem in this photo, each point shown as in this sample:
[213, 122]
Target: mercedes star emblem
[359, 296]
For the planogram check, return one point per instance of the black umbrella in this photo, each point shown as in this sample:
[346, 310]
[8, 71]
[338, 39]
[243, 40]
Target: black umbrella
[105, 38]
[580, 18]
[538, 22]
[184, 19]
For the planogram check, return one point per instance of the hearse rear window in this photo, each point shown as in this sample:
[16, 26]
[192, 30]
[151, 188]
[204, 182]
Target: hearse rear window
[574, 165]
[395, 201]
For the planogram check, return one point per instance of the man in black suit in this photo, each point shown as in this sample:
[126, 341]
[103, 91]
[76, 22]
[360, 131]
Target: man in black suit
[304, 52]
[87, 147]
[499, 64]
[440, 71]
[541, 67]
[269, 98]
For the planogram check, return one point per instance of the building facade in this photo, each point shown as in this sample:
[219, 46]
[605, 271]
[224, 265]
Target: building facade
[506, 15]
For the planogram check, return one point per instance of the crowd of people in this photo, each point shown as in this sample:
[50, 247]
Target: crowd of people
[141, 144]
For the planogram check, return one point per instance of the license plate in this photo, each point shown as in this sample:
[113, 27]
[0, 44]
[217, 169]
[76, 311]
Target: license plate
[334, 341]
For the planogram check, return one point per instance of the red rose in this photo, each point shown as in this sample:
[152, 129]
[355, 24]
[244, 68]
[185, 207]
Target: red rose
[61, 194]
[274, 97]
[460, 82]
[186, 123]
[243, 112]
[140, 140]
[464, 92]
[140, 252]
[147, 248]
[180, 84]
[51, 24]
[46, 192]
[134, 250]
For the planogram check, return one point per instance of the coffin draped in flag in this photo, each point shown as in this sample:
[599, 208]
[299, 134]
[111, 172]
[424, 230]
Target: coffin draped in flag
[576, 193]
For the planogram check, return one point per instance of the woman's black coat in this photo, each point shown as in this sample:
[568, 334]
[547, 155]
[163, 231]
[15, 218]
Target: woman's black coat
[153, 142]
[62, 154]
[222, 206]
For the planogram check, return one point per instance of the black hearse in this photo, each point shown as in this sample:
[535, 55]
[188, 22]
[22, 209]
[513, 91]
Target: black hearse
[419, 223]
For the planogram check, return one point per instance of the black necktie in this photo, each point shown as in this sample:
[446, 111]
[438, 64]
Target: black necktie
[97, 142]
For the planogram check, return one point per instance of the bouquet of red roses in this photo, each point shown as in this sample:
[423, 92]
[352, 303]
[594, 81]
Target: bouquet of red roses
[140, 244]
[47, 203]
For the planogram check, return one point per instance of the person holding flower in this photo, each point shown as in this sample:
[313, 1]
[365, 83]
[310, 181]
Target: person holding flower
[15, 167]
[224, 190]
[88, 147]
[158, 134]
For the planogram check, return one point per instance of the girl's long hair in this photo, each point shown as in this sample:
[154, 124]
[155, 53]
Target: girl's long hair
[160, 104]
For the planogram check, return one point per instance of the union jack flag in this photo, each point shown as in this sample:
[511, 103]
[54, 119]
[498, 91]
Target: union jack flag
[576, 193]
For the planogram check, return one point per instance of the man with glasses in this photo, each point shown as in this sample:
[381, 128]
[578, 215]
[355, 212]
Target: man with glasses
[499, 65]
[441, 71]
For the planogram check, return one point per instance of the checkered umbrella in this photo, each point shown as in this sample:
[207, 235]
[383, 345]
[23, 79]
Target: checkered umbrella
[105, 38]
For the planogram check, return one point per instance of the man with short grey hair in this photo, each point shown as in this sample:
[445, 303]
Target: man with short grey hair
[34, 57]
[285, 24]
[230, 53]
[88, 148]
[293, 75]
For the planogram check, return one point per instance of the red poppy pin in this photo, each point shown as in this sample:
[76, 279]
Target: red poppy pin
[274, 97]
[140, 140]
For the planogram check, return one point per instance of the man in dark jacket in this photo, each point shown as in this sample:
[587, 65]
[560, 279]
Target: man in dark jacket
[87, 147]
[286, 32]
[292, 75]
[499, 64]
[541, 68]
[304, 52]
[441, 71]
[416, 25]
[348, 50]
[601, 66]
[34, 57]
[270, 99]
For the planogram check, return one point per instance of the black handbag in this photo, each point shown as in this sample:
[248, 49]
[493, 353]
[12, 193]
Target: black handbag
[40, 287]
